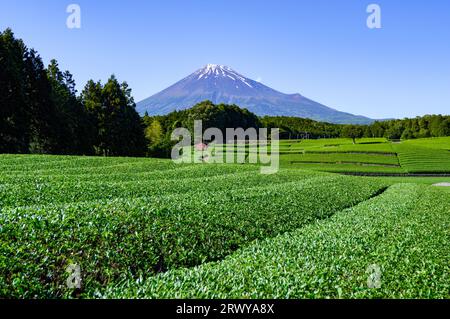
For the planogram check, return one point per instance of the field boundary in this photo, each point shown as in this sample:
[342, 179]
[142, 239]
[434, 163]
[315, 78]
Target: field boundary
[346, 163]
[393, 174]
[353, 152]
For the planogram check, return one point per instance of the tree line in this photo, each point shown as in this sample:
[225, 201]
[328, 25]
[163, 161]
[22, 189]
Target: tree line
[408, 128]
[40, 111]
[159, 128]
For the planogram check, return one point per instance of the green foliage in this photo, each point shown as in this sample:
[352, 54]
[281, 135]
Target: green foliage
[123, 219]
[27, 119]
[159, 145]
[425, 155]
[370, 155]
[353, 132]
[74, 128]
[394, 132]
[404, 233]
[154, 133]
[118, 126]
[342, 158]
[419, 127]
[407, 134]
[295, 127]
[14, 116]
[222, 116]
[41, 113]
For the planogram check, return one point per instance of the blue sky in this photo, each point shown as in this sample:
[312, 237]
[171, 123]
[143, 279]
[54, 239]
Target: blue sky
[321, 49]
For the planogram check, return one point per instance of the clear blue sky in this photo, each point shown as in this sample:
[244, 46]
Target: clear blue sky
[321, 49]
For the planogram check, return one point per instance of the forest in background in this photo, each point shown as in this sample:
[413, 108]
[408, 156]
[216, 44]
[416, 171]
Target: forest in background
[41, 112]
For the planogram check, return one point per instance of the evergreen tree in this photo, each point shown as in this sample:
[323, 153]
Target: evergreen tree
[74, 127]
[119, 128]
[14, 115]
[43, 118]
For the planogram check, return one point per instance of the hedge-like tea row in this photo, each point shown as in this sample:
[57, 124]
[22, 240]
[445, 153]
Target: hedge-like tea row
[60, 189]
[420, 159]
[342, 158]
[128, 238]
[51, 163]
[393, 246]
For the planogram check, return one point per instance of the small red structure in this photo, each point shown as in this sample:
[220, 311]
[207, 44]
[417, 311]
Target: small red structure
[201, 147]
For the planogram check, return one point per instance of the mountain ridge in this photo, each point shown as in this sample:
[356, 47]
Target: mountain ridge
[221, 84]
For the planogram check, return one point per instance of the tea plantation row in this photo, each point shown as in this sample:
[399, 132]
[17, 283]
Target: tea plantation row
[130, 220]
[393, 246]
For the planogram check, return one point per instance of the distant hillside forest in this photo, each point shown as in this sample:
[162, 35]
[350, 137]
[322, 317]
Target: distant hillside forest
[419, 127]
[41, 112]
[159, 128]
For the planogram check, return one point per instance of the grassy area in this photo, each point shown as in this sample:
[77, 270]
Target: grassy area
[400, 236]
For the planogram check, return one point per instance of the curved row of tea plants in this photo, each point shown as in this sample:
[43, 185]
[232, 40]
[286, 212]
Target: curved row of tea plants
[342, 157]
[340, 145]
[128, 238]
[393, 246]
[345, 168]
[26, 191]
[417, 158]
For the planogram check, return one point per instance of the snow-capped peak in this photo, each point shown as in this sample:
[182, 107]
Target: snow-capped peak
[216, 67]
[218, 70]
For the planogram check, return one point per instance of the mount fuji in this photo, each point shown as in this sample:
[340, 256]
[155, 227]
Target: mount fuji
[221, 84]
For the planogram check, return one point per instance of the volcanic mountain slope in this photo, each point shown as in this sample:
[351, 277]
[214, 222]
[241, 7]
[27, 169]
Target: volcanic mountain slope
[221, 84]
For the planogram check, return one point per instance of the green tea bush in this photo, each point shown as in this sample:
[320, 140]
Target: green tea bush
[150, 226]
[403, 233]
[421, 159]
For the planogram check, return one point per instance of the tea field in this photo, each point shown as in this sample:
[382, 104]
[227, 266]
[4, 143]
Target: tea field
[403, 234]
[370, 156]
[150, 228]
